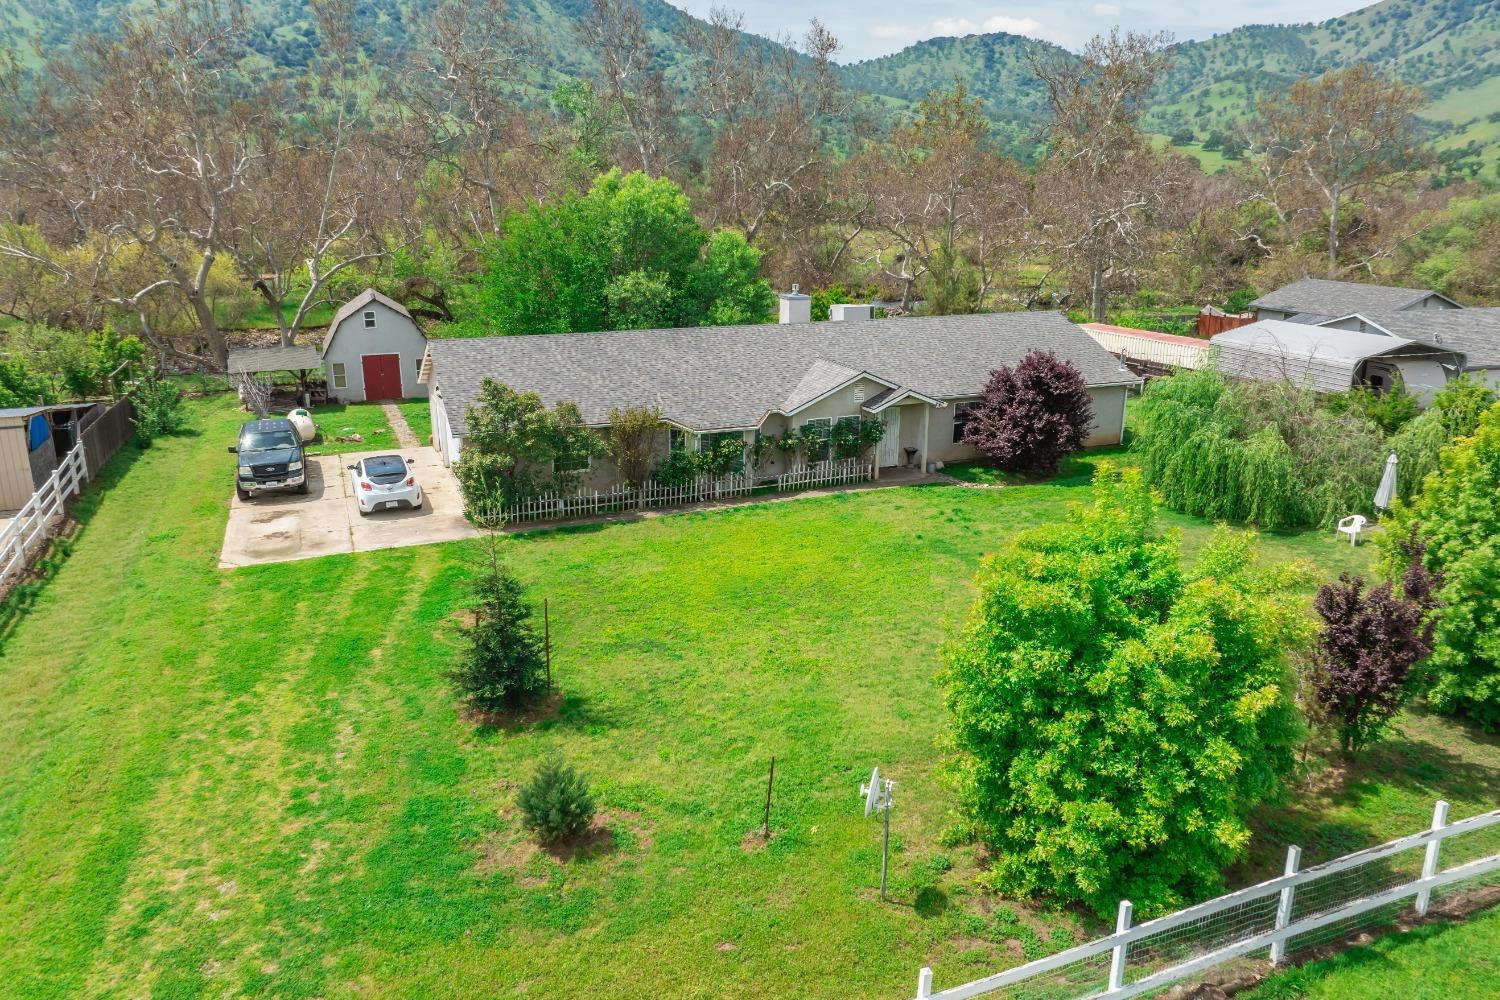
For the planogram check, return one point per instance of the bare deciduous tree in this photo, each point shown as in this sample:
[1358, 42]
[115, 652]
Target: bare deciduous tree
[1105, 194]
[1331, 138]
[615, 32]
[937, 187]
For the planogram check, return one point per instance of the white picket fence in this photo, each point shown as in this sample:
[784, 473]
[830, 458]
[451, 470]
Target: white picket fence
[551, 506]
[830, 473]
[586, 503]
[1300, 909]
[27, 530]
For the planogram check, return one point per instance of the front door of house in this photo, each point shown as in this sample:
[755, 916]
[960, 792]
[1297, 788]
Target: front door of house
[889, 453]
[382, 376]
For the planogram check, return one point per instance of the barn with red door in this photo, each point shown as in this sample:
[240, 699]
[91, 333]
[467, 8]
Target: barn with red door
[373, 351]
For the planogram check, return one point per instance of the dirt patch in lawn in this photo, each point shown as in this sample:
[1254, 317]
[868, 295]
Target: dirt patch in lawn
[613, 832]
[548, 709]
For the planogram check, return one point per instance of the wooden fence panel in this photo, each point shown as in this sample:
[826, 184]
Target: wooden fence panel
[104, 436]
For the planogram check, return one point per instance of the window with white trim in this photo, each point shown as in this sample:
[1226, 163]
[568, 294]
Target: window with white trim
[340, 376]
[823, 427]
[961, 414]
[564, 465]
[370, 319]
[681, 440]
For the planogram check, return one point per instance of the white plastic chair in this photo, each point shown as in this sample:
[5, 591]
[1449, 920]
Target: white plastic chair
[1352, 526]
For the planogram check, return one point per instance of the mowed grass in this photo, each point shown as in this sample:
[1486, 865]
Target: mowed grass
[256, 782]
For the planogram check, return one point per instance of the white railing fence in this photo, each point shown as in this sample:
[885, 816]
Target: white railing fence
[27, 530]
[1299, 909]
[830, 473]
[551, 506]
[556, 506]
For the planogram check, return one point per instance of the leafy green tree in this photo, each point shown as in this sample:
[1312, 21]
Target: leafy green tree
[1115, 717]
[1389, 410]
[516, 445]
[504, 665]
[1254, 452]
[20, 385]
[628, 254]
[556, 802]
[950, 286]
[1457, 516]
[158, 408]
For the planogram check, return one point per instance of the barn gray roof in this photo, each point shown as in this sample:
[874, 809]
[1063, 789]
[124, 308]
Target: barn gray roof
[731, 377]
[1476, 332]
[1325, 298]
[254, 360]
[1321, 358]
[354, 305]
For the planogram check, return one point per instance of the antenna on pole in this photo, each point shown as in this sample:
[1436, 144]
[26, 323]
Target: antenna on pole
[877, 796]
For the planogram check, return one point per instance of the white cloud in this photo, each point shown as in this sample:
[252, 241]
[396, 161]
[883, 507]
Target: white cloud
[1106, 9]
[964, 26]
[892, 31]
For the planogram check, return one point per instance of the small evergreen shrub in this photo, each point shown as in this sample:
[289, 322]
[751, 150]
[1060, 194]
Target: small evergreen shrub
[556, 802]
[504, 666]
[158, 409]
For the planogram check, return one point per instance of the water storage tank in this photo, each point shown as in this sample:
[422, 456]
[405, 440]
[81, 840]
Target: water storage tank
[303, 421]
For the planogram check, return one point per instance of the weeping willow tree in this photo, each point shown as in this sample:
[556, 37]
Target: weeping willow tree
[1254, 452]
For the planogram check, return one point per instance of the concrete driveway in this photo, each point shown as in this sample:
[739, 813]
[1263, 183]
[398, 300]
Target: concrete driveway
[280, 527]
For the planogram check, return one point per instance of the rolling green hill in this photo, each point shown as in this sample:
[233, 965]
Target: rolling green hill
[1449, 48]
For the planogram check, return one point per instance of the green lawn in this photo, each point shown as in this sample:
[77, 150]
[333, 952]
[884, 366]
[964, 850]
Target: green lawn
[345, 419]
[1437, 962]
[255, 782]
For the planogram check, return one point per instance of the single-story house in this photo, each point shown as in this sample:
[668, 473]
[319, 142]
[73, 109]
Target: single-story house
[373, 350]
[1326, 359]
[1475, 332]
[1314, 300]
[919, 375]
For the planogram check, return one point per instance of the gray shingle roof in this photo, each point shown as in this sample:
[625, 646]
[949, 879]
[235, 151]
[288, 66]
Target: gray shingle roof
[730, 377]
[1316, 357]
[1339, 298]
[252, 360]
[354, 305]
[1476, 332]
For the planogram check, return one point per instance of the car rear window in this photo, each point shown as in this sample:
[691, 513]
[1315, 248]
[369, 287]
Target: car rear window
[385, 468]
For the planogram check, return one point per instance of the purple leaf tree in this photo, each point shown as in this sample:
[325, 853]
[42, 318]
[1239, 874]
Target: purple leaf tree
[1369, 643]
[1032, 415]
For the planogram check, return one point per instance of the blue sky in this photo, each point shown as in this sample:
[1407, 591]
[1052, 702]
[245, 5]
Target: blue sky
[871, 28]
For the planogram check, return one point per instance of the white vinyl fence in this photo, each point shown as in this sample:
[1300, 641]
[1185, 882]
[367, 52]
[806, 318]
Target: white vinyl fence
[555, 506]
[830, 473]
[1300, 909]
[27, 531]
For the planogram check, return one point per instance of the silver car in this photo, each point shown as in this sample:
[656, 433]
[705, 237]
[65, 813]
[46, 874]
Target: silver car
[384, 482]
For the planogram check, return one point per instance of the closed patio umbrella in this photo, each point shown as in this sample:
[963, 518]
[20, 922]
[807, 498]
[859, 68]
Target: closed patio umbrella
[1385, 493]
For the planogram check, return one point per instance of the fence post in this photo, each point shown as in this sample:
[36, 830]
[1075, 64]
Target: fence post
[924, 983]
[1284, 907]
[1117, 960]
[1430, 863]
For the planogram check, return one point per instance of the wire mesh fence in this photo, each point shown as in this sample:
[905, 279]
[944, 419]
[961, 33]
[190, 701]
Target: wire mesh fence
[1301, 909]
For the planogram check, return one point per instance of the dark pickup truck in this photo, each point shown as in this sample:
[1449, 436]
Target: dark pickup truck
[271, 458]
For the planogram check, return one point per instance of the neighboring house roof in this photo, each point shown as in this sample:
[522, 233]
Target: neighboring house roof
[358, 303]
[1322, 297]
[1317, 357]
[731, 377]
[1476, 332]
[254, 360]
